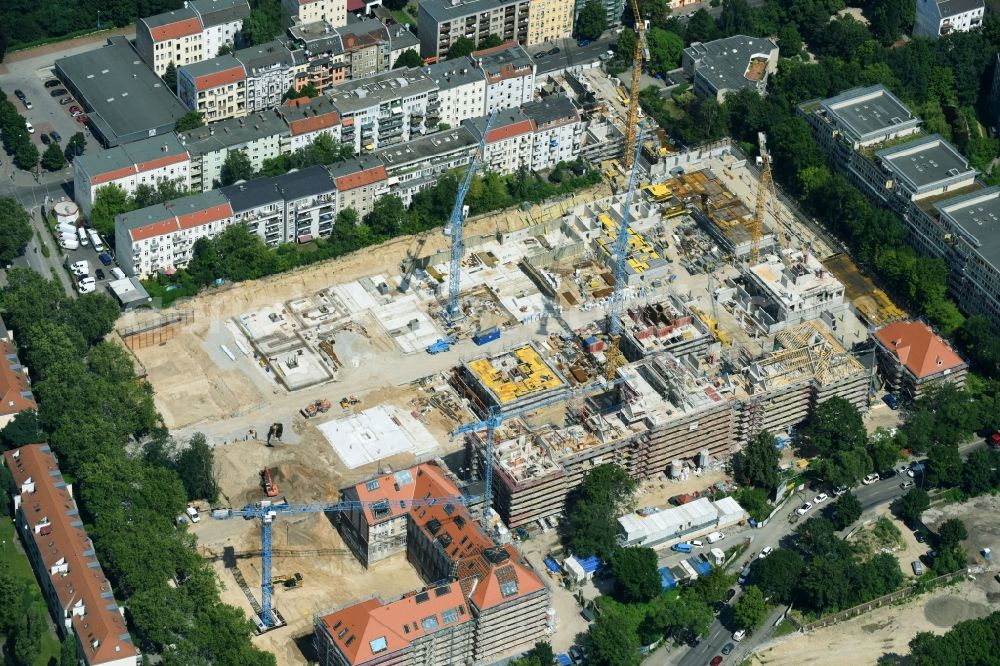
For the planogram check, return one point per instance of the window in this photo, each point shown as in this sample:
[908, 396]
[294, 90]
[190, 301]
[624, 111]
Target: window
[508, 589]
[430, 623]
[450, 616]
[372, 485]
[378, 645]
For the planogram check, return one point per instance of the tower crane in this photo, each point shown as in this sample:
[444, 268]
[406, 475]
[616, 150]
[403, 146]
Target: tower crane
[632, 123]
[266, 512]
[620, 255]
[765, 186]
[457, 222]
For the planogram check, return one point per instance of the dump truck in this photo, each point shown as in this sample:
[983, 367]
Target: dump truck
[441, 345]
[267, 483]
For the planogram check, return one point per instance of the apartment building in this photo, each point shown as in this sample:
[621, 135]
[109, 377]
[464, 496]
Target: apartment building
[161, 237]
[461, 90]
[441, 22]
[307, 119]
[359, 184]
[937, 18]
[385, 109]
[333, 12]
[420, 163]
[484, 600]
[191, 34]
[310, 198]
[732, 63]
[260, 206]
[369, 47]
[220, 21]
[146, 162]
[557, 131]
[510, 75]
[216, 88]
[549, 21]
[911, 357]
[75, 589]
[270, 72]
[260, 137]
[509, 141]
[612, 10]
[15, 387]
[171, 37]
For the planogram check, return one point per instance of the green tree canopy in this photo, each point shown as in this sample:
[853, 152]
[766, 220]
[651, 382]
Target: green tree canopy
[53, 158]
[845, 511]
[968, 642]
[490, 41]
[110, 200]
[834, 425]
[912, 505]
[539, 655]
[263, 24]
[22, 429]
[612, 641]
[15, 230]
[170, 78]
[751, 609]
[665, 50]
[757, 463]
[195, 467]
[235, 167]
[636, 574]
[594, 507]
[460, 48]
[978, 473]
[408, 58]
[592, 20]
[76, 145]
[189, 121]
[777, 574]
[952, 532]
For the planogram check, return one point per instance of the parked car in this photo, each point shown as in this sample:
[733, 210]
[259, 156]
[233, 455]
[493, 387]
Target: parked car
[81, 119]
[119, 274]
[99, 274]
[891, 400]
[583, 42]
[730, 593]
[764, 553]
[918, 568]
[804, 509]
[27, 103]
[18, 93]
[554, 51]
[906, 484]
[727, 648]
[66, 100]
[87, 285]
[839, 490]
[716, 660]
[28, 126]
[539, 56]
[739, 635]
[58, 91]
[74, 110]
[819, 499]
[193, 514]
[52, 83]
[920, 536]
[869, 479]
[576, 655]
[103, 256]
[56, 136]
[45, 139]
[80, 267]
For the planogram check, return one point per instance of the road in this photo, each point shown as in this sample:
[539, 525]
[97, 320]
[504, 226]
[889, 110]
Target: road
[872, 497]
[570, 54]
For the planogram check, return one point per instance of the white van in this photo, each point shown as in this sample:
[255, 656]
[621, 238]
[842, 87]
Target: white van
[118, 273]
[193, 514]
[715, 536]
[68, 243]
[81, 233]
[96, 240]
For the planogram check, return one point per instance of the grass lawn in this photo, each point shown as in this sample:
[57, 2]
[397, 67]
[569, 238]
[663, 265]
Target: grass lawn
[17, 564]
[403, 17]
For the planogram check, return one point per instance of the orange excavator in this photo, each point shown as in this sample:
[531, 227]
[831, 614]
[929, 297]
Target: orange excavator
[268, 484]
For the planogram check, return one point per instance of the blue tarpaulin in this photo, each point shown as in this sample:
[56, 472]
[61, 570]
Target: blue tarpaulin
[667, 579]
[564, 659]
[551, 564]
[590, 564]
[700, 565]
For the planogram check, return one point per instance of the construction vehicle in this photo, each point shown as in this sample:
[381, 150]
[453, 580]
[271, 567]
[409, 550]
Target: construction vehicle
[290, 582]
[632, 123]
[348, 401]
[275, 431]
[268, 484]
[489, 335]
[315, 407]
[441, 345]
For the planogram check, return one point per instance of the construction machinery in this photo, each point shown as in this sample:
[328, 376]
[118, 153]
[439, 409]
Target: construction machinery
[266, 512]
[315, 407]
[441, 345]
[632, 123]
[349, 401]
[456, 223]
[620, 254]
[268, 484]
[290, 582]
[765, 186]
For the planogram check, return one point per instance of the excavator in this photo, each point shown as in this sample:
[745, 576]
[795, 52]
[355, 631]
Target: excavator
[268, 484]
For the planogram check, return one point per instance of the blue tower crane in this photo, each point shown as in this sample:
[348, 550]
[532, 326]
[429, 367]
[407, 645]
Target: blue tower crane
[620, 255]
[457, 221]
[266, 512]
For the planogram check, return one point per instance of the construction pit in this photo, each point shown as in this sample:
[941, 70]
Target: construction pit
[355, 334]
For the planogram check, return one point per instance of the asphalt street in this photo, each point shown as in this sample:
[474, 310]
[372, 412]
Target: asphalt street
[570, 54]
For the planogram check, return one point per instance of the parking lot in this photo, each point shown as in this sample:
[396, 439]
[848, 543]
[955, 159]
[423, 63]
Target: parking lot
[89, 254]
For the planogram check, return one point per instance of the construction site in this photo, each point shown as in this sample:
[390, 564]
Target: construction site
[436, 401]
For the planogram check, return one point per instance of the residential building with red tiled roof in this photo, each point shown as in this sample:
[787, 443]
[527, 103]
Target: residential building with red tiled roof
[216, 88]
[510, 75]
[170, 37]
[486, 600]
[509, 141]
[146, 162]
[15, 389]
[912, 356]
[360, 183]
[309, 118]
[75, 588]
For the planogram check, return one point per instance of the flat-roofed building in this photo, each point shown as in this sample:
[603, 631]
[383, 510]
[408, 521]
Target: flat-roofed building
[122, 97]
[912, 356]
[461, 90]
[510, 380]
[729, 64]
[420, 163]
[441, 22]
[170, 37]
[937, 18]
[15, 386]
[510, 75]
[925, 167]
[861, 117]
[148, 162]
[680, 523]
[75, 589]
[162, 237]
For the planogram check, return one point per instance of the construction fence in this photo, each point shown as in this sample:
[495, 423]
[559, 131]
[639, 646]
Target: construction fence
[887, 599]
[153, 328]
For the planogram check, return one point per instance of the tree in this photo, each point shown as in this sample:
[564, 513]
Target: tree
[189, 121]
[110, 200]
[757, 463]
[845, 511]
[26, 155]
[170, 77]
[636, 574]
[490, 41]
[665, 49]
[540, 655]
[592, 20]
[944, 466]
[67, 651]
[751, 609]
[777, 574]
[348, 217]
[978, 475]
[195, 467]
[53, 158]
[15, 230]
[387, 215]
[713, 587]
[11, 601]
[22, 429]
[888, 19]
[263, 24]
[308, 90]
[736, 18]
[611, 641]
[817, 536]
[460, 48]
[968, 642]
[28, 635]
[910, 506]
[235, 167]
[701, 27]
[225, 49]
[883, 450]
[594, 507]
[835, 425]
[952, 532]
[408, 58]
[76, 145]
[789, 41]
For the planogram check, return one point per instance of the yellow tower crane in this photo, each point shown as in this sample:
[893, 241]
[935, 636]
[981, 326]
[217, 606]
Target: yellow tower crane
[632, 124]
[765, 186]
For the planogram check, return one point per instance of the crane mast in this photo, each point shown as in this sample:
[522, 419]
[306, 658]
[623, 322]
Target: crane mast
[632, 123]
[765, 185]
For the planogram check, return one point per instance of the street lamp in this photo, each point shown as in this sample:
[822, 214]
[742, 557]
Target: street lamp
[98, 19]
